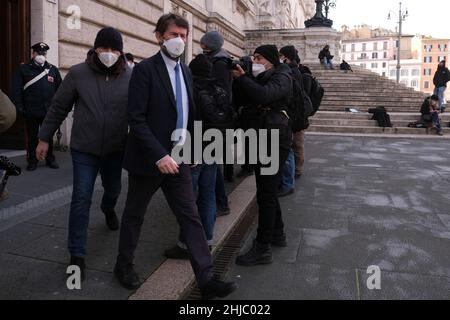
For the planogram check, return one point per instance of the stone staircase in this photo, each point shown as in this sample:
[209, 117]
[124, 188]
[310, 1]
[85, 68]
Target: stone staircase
[363, 90]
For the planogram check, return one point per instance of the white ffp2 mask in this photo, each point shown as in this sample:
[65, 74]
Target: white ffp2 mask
[40, 60]
[175, 47]
[108, 58]
[258, 69]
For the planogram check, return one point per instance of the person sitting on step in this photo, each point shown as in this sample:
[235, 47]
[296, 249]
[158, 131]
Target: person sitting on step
[430, 113]
[326, 58]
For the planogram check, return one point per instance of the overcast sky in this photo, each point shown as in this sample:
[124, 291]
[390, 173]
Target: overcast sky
[428, 17]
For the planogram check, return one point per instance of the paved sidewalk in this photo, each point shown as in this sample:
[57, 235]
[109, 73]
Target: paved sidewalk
[362, 202]
[33, 238]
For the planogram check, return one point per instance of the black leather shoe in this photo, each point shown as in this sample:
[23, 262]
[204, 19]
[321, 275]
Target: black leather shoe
[111, 219]
[177, 253]
[52, 164]
[77, 261]
[216, 288]
[127, 276]
[259, 254]
[32, 166]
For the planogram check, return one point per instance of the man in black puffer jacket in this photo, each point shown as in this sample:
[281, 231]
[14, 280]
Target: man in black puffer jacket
[268, 96]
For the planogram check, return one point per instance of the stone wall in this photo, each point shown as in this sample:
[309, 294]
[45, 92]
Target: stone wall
[70, 26]
[283, 14]
[136, 19]
[308, 42]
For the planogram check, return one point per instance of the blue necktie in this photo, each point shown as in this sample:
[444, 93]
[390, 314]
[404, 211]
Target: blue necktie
[179, 97]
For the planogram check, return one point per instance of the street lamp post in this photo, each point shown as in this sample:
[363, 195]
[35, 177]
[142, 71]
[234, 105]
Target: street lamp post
[329, 4]
[402, 15]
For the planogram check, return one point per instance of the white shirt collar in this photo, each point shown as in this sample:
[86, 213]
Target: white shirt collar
[169, 62]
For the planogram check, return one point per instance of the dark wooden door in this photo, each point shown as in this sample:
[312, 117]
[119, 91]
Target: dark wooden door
[14, 49]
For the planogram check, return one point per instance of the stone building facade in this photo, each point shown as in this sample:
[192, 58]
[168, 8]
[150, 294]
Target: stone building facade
[432, 51]
[70, 26]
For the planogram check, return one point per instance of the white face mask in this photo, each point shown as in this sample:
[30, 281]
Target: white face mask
[175, 47]
[40, 60]
[258, 69]
[199, 51]
[108, 58]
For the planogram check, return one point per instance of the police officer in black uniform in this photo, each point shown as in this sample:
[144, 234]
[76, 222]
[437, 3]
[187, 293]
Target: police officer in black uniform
[34, 86]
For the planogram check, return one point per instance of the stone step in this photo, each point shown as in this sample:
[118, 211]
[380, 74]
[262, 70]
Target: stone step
[326, 75]
[366, 109]
[382, 98]
[356, 70]
[353, 101]
[374, 94]
[361, 84]
[361, 87]
[396, 116]
[375, 91]
[392, 106]
[349, 77]
[375, 130]
[363, 123]
[363, 90]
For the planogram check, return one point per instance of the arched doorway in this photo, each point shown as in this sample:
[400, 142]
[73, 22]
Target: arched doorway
[15, 19]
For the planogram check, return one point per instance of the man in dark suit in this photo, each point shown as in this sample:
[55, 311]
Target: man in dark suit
[160, 102]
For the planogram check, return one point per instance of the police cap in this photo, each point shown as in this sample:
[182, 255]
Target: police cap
[40, 47]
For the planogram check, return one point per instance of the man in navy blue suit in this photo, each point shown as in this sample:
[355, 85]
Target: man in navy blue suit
[160, 102]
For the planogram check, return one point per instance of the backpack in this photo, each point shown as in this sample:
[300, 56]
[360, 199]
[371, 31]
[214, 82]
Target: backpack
[381, 116]
[300, 107]
[316, 94]
[220, 113]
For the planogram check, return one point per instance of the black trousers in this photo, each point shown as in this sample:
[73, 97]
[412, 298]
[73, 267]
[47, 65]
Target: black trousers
[178, 190]
[270, 220]
[32, 141]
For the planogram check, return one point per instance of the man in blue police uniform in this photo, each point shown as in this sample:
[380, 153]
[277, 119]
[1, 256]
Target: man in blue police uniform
[34, 86]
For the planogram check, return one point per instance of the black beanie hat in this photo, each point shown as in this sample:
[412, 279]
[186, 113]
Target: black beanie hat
[270, 52]
[109, 38]
[201, 66]
[290, 52]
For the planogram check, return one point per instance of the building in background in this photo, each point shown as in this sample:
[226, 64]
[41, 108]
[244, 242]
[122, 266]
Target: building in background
[70, 27]
[432, 52]
[410, 73]
[370, 53]
[374, 49]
